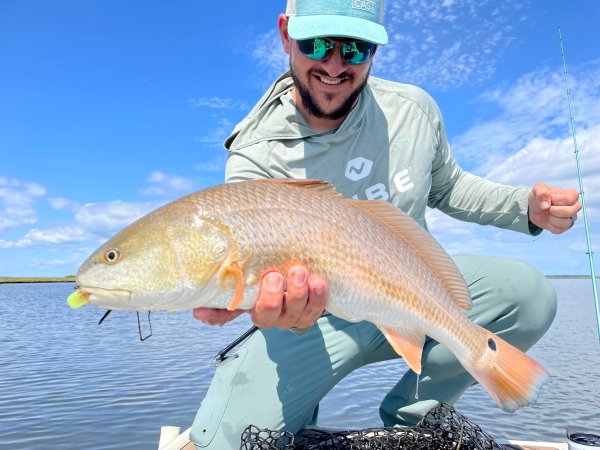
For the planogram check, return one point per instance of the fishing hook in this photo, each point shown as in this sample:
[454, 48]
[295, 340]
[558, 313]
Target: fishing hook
[143, 338]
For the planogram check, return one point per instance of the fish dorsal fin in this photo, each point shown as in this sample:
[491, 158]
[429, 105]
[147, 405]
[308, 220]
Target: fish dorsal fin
[423, 244]
[407, 343]
[317, 185]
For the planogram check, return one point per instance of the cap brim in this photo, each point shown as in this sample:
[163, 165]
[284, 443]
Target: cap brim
[306, 27]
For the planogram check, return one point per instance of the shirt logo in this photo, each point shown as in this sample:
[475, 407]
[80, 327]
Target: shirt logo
[365, 5]
[402, 143]
[358, 168]
[403, 182]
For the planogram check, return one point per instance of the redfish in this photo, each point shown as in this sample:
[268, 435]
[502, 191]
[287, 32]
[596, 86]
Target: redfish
[210, 248]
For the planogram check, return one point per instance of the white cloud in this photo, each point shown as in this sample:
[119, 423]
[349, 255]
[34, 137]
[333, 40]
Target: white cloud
[462, 237]
[544, 93]
[52, 236]
[552, 159]
[60, 235]
[90, 223]
[218, 134]
[17, 199]
[271, 60]
[60, 203]
[216, 165]
[430, 47]
[93, 222]
[49, 264]
[162, 184]
[534, 108]
[104, 219]
[218, 103]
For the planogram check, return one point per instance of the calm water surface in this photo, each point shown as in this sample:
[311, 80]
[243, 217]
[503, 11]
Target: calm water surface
[66, 383]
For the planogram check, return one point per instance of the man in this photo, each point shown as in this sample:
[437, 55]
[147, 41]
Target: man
[372, 139]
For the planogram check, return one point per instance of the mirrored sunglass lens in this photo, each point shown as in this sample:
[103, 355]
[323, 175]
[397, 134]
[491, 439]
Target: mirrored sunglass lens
[316, 48]
[357, 52]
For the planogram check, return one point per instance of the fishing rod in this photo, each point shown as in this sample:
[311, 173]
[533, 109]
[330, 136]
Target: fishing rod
[590, 253]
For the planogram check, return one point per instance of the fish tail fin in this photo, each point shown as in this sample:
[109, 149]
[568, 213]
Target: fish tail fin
[512, 378]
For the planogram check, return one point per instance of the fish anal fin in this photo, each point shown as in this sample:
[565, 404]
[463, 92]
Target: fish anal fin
[407, 343]
[236, 271]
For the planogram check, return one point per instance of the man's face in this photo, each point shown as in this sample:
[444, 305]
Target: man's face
[326, 89]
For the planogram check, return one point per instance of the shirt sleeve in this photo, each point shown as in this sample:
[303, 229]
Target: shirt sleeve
[470, 198]
[244, 165]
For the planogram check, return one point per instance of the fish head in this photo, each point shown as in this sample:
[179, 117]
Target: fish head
[153, 264]
[129, 270]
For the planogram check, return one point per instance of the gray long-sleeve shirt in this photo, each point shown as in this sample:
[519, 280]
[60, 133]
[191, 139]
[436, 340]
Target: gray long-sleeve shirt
[392, 147]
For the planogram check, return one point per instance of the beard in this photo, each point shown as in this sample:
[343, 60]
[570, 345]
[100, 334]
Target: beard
[315, 110]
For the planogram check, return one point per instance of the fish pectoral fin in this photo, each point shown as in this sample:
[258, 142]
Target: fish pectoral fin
[407, 343]
[236, 271]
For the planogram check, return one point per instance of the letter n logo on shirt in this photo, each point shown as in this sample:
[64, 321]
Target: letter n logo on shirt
[358, 168]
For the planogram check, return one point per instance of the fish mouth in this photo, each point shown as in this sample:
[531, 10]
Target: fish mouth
[116, 294]
[107, 298]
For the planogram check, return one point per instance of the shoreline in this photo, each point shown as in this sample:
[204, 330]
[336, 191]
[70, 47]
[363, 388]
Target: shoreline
[12, 280]
[572, 277]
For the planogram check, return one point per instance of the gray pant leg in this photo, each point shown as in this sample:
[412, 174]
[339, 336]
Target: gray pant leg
[510, 298]
[276, 381]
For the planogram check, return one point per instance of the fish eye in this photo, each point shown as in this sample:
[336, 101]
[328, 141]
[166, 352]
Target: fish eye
[112, 256]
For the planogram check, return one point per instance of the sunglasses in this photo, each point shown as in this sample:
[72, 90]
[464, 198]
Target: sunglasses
[353, 50]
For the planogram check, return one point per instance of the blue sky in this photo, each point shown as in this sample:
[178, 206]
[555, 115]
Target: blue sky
[110, 109]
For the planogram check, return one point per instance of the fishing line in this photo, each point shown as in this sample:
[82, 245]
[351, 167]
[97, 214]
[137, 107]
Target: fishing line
[590, 253]
[222, 355]
[108, 311]
[417, 387]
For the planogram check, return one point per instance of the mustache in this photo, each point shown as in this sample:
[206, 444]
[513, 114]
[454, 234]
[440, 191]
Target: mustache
[343, 76]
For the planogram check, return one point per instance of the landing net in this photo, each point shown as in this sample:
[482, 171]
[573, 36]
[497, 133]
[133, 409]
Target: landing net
[443, 428]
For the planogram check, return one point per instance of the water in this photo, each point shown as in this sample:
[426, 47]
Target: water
[67, 383]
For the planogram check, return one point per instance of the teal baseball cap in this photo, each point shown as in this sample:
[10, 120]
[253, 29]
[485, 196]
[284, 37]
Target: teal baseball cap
[359, 19]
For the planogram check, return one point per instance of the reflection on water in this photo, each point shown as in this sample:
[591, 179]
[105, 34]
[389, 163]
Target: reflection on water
[66, 382]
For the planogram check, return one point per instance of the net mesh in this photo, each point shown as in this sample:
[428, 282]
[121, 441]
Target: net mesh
[443, 428]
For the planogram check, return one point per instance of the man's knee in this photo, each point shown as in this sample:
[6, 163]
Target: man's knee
[533, 296]
[510, 297]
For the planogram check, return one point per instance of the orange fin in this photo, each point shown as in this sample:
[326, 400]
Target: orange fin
[317, 185]
[422, 244]
[511, 377]
[407, 343]
[235, 270]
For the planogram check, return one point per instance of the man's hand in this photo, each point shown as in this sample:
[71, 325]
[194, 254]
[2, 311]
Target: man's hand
[293, 302]
[553, 209]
